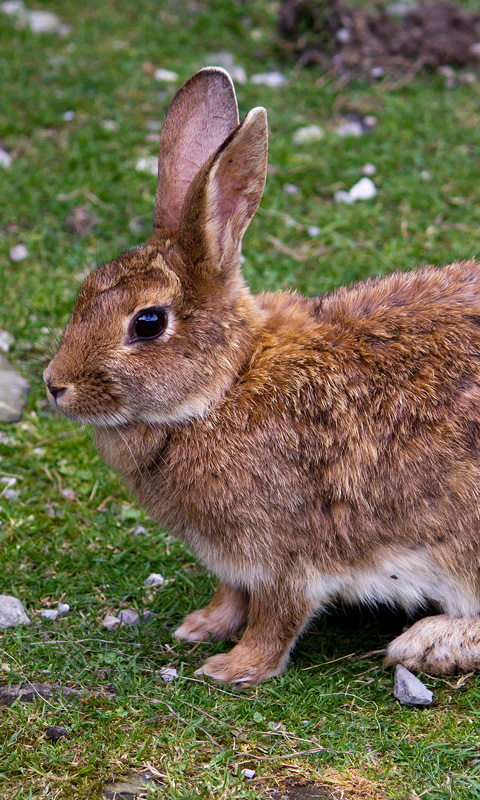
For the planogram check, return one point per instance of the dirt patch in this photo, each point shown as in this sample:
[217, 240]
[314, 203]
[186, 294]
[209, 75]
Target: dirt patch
[373, 42]
[332, 785]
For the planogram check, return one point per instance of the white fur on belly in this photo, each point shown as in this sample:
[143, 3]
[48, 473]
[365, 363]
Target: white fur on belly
[406, 577]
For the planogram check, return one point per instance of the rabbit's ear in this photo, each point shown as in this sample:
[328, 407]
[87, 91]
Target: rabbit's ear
[225, 195]
[201, 116]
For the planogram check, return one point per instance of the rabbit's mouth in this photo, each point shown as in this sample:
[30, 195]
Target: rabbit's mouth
[97, 409]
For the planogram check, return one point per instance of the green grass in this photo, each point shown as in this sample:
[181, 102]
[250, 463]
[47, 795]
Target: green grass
[83, 550]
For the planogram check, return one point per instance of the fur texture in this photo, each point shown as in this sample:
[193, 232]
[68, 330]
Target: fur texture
[307, 450]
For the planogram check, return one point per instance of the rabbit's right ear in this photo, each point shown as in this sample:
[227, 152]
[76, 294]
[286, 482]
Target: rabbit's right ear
[201, 116]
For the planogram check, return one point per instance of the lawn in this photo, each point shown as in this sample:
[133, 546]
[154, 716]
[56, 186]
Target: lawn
[70, 532]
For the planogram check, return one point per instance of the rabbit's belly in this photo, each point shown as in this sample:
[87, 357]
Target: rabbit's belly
[407, 577]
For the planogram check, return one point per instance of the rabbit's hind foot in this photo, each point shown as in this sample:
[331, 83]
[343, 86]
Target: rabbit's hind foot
[439, 645]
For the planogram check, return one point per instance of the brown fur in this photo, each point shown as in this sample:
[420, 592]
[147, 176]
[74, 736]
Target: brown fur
[305, 449]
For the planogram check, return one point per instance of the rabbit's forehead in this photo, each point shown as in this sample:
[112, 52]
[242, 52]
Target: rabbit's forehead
[130, 281]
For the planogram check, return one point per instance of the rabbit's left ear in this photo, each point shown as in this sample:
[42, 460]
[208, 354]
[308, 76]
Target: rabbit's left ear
[225, 195]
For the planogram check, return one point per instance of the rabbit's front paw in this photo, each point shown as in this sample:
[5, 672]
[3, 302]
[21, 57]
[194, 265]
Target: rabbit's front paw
[224, 616]
[243, 667]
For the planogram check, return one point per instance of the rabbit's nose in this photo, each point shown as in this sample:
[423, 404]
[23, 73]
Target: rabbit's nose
[56, 391]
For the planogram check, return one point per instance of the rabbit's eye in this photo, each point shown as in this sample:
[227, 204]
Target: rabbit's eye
[149, 324]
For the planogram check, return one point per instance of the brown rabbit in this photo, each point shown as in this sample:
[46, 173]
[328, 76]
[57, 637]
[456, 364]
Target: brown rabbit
[307, 450]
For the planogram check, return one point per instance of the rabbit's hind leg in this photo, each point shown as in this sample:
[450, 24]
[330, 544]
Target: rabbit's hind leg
[225, 616]
[441, 645]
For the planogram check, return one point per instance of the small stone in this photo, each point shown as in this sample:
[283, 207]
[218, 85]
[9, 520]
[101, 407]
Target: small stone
[49, 613]
[273, 79]
[18, 252]
[165, 75]
[352, 128]
[140, 531]
[377, 72]
[425, 175]
[369, 169]
[154, 579]
[364, 189]
[12, 612]
[46, 22]
[249, 774]
[290, 188]
[68, 494]
[343, 35]
[342, 197]
[310, 133]
[109, 125]
[13, 7]
[400, 9]
[5, 158]
[6, 341]
[409, 690]
[128, 616]
[63, 608]
[110, 622]
[67, 116]
[147, 164]
[13, 393]
[313, 230]
[54, 733]
[168, 674]
[475, 49]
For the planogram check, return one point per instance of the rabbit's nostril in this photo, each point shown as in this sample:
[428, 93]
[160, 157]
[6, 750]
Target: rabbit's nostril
[56, 391]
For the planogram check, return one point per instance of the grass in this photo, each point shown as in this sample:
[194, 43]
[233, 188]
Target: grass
[79, 545]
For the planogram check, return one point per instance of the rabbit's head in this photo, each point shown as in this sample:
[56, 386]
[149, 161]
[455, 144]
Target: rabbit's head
[158, 334]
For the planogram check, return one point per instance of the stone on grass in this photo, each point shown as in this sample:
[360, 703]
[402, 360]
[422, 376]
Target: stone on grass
[147, 164]
[6, 341]
[128, 616]
[168, 674]
[54, 733]
[13, 393]
[350, 128]
[249, 774]
[364, 189]
[12, 612]
[5, 158]
[165, 75]
[110, 622]
[63, 608]
[155, 579]
[272, 79]
[309, 133]
[49, 613]
[18, 252]
[369, 169]
[409, 690]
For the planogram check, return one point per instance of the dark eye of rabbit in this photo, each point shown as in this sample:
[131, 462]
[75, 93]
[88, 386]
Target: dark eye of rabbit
[149, 324]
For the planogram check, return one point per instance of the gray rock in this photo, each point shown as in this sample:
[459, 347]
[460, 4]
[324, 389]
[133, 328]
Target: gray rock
[49, 613]
[12, 612]
[168, 674]
[409, 690]
[154, 580]
[13, 393]
[55, 732]
[63, 608]
[110, 622]
[128, 616]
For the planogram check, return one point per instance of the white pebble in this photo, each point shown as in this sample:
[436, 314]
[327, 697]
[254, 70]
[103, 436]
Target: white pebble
[168, 674]
[155, 579]
[249, 774]
[352, 128]
[165, 75]
[272, 79]
[377, 72]
[46, 22]
[49, 613]
[289, 188]
[147, 164]
[63, 608]
[343, 35]
[109, 125]
[13, 7]
[6, 341]
[425, 175]
[140, 531]
[19, 252]
[364, 189]
[68, 494]
[313, 230]
[369, 169]
[110, 622]
[39, 451]
[310, 133]
[342, 197]
[68, 116]
[5, 158]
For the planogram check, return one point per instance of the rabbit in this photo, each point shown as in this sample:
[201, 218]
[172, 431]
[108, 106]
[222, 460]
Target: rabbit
[307, 450]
